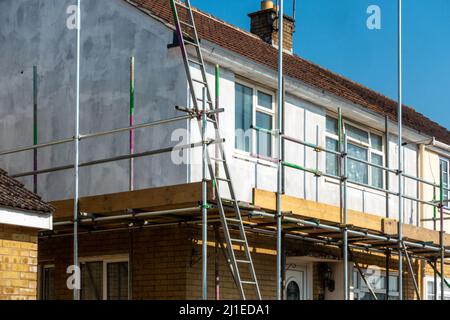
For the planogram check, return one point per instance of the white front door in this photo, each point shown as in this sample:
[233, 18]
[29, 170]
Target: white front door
[296, 283]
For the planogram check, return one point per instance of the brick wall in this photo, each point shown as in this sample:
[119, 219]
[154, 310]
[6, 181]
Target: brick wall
[158, 266]
[167, 262]
[264, 24]
[18, 263]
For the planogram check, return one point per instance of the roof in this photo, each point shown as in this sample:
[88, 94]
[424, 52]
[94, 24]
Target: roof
[13, 194]
[250, 46]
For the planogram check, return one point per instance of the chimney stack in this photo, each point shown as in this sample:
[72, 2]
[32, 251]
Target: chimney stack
[264, 24]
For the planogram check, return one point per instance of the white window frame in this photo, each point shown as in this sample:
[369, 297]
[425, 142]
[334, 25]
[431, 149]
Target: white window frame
[358, 291]
[256, 108]
[446, 205]
[428, 279]
[364, 145]
[106, 260]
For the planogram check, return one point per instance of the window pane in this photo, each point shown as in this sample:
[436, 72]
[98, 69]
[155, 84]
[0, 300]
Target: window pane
[357, 171]
[358, 134]
[377, 142]
[92, 281]
[243, 114]
[117, 281]
[332, 159]
[393, 283]
[430, 290]
[445, 176]
[264, 100]
[377, 174]
[332, 125]
[264, 140]
[48, 283]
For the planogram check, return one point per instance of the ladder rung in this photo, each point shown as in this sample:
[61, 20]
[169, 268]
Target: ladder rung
[201, 100]
[190, 42]
[195, 62]
[217, 159]
[237, 240]
[243, 261]
[199, 81]
[186, 24]
[182, 5]
[223, 179]
[249, 282]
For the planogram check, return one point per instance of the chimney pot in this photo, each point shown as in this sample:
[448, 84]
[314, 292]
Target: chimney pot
[266, 4]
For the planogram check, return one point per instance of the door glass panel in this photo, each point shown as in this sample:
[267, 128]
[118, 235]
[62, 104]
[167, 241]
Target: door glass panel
[293, 291]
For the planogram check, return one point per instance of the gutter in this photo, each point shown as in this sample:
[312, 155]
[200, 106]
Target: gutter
[438, 147]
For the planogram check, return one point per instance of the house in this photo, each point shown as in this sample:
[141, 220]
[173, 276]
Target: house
[148, 251]
[22, 215]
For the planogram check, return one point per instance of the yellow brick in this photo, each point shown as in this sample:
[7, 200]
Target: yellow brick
[10, 275]
[20, 283]
[20, 267]
[28, 245]
[11, 244]
[10, 290]
[28, 275]
[5, 283]
[27, 291]
[5, 251]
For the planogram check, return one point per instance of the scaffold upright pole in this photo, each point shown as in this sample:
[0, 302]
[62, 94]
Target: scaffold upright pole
[76, 291]
[442, 231]
[35, 126]
[279, 146]
[204, 201]
[400, 157]
[132, 110]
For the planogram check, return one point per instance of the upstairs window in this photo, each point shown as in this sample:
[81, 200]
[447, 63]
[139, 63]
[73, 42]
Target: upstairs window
[361, 144]
[444, 169]
[254, 107]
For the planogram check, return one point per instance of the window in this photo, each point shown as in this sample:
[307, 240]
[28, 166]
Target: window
[104, 280]
[445, 164]
[362, 145]
[253, 107]
[244, 117]
[378, 285]
[48, 283]
[430, 287]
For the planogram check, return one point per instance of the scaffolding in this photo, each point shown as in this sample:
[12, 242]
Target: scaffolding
[278, 223]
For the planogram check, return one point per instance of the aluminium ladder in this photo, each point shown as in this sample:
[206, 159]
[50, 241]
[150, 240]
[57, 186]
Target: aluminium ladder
[187, 35]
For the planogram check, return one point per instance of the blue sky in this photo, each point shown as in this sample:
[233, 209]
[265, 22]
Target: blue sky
[333, 33]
